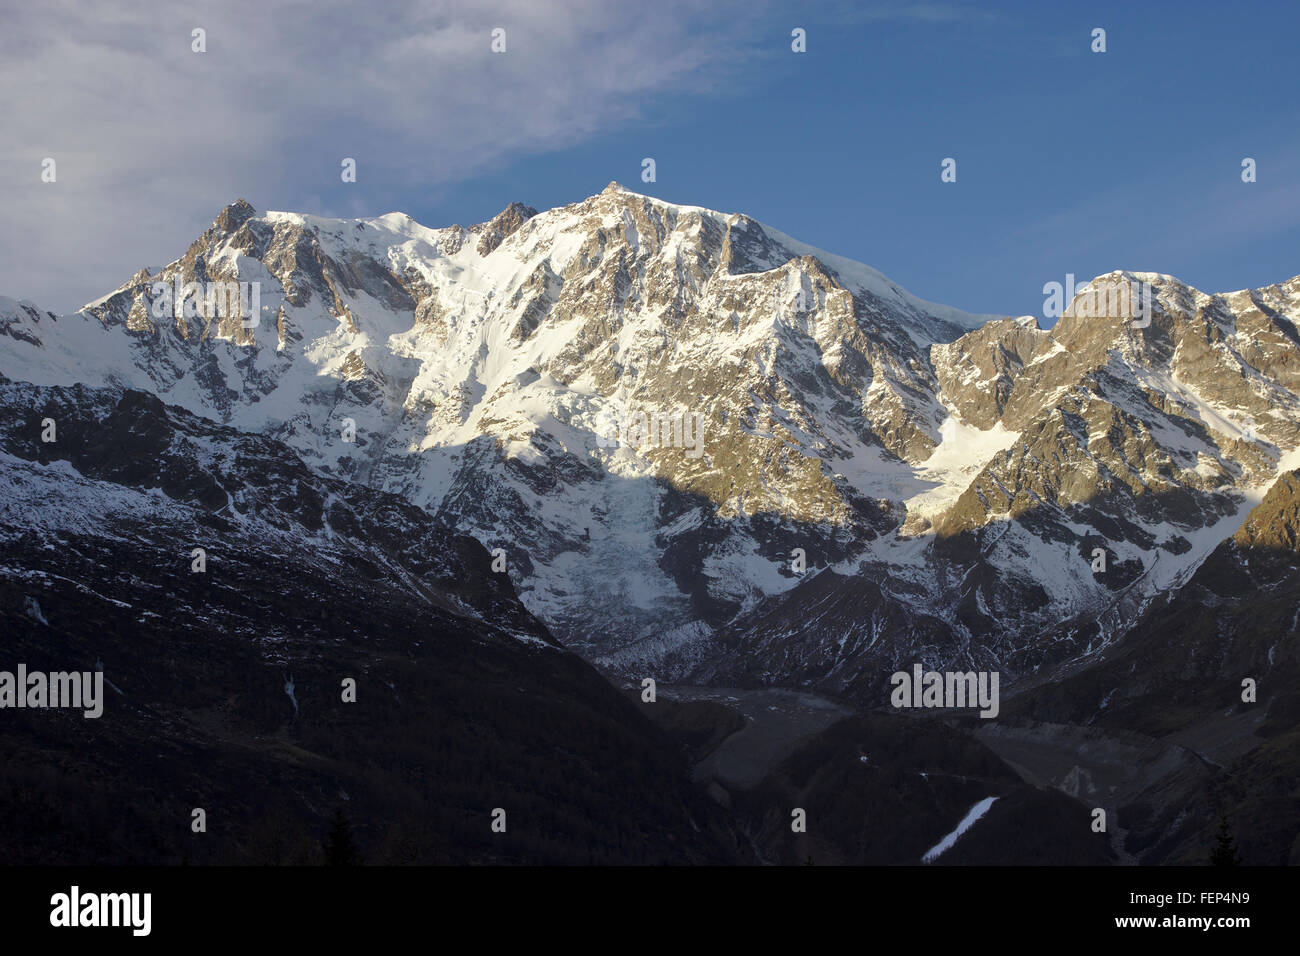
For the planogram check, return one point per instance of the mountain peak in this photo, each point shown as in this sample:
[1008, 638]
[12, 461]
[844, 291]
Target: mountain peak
[234, 215]
[502, 225]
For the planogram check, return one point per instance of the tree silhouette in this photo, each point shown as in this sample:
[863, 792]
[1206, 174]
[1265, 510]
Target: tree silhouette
[1225, 848]
[339, 848]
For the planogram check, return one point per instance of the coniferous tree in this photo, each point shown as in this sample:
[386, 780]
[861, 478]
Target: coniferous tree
[339, 848]
[1225, 848]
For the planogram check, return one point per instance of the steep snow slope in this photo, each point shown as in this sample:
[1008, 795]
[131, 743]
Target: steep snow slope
[650, 408]
[632, 398]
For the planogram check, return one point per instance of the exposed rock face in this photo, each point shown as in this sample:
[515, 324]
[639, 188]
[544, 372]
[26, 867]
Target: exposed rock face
[1275, 523]
[651, 408]
[1130, 451]
[222, 686]
[505, 223]
[123, 463]
[639, 402]
[1209, 676]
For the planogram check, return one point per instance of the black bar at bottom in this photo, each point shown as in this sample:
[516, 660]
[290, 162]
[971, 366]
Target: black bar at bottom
[929, 904]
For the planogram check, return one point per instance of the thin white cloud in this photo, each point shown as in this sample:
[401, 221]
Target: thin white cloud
[1219, 216]
[920, 12]
[152, 139]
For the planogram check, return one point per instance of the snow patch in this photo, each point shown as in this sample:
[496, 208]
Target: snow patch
[972, 817]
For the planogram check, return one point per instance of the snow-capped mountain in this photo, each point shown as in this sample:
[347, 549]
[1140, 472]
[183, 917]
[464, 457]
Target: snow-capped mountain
[705, 448]
[275, 644]
[1129, 454]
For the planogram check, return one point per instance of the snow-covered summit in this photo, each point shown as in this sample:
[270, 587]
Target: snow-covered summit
[650, 406]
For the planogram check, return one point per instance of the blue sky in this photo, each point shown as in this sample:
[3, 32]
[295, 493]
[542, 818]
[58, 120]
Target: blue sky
[1068, 161]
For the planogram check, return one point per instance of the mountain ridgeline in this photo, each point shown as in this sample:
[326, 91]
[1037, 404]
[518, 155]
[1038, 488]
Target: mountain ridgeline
[684, 446]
